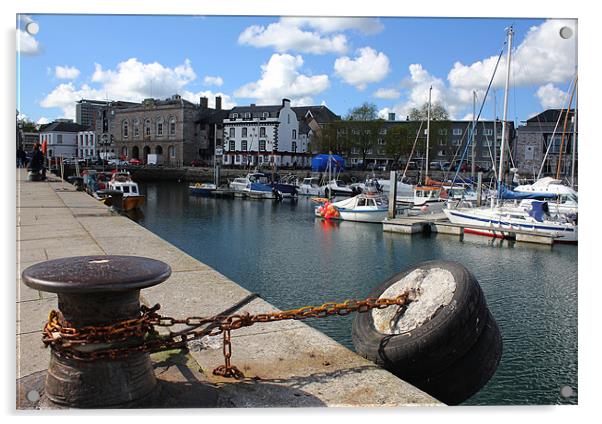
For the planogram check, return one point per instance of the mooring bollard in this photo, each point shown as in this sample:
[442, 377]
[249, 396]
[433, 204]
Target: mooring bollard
[98, 291]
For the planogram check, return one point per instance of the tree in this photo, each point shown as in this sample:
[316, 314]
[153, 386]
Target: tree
[398, 141]
[331, 137]
[438, 112]
[363, 127]
[27, 125]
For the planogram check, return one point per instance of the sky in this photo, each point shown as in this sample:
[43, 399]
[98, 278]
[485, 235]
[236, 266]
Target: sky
[338, 62]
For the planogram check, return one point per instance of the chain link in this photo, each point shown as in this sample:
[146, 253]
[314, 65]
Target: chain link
[139, 335]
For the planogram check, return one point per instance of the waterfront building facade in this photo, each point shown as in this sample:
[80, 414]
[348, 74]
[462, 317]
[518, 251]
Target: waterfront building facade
[86, 146]
[165, 128]
[537, 136]
[61, 138]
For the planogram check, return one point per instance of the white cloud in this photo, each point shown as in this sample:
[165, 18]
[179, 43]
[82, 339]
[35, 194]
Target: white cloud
[27, 44]
[135, 81]
[227, 101]
[65, 95]
[551, 97]
[43, 120]
[370, 66]
[217, 81]
[66, 72]
[542, 57]
[364, 25]
[387, 93]
[280, 78]
[284, 36]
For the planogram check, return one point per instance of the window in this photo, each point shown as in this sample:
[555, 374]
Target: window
[232, 145]
[441, 153]
[234, 116]
[455, 142]
[294, 134]
[243, 145]
[159, 127]
[136, 127]
[354, 150]
[147, 128]
[248, 115]
[476, 131]
[381, 141]
[487, 131]
[262, 132]
[172, 126]
[125, 131]
[262, 145]
[294, 146]
[457, 131]
[288, 118]
[485, 153]
[442, 142]
[382, 131]
[244, 132]
[237, 160]
[59, 139]
[134, 190]
[442, 131]
[232, 132]
[265, 115]
[172, 151]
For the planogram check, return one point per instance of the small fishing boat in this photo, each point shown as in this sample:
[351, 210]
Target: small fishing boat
[365, 207]
[122, 181]
[310, 187]
[336, 188]
[202, 189]
[425, 199]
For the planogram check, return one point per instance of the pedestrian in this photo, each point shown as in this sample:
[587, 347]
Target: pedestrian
[19, 157]
[36, 166]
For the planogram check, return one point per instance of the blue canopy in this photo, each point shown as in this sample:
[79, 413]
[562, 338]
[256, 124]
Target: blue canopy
[539, 210]
[505, 193]
[319, 163]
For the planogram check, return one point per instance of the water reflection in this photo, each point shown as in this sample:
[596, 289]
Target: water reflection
[283, 252]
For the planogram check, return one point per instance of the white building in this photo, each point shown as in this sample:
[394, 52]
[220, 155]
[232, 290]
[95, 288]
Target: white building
[86, 145]
[261, 135]
[61, 138]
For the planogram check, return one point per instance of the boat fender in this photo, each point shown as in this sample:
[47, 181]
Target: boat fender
[445, 341]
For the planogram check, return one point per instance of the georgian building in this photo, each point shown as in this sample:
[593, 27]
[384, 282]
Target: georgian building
[167, 128]
[87, 147]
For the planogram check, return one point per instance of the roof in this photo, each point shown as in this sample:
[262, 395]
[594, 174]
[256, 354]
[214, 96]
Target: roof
[320, 113]
[549, 115]
[63, 127]
[256, 111]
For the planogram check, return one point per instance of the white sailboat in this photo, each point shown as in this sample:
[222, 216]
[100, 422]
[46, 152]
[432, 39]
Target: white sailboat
[533, 216]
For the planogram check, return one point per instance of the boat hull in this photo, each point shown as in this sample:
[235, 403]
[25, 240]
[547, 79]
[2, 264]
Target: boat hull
[132, 202]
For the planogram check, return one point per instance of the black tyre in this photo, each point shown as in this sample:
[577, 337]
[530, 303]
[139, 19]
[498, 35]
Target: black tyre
[471, 372]
[436, 342]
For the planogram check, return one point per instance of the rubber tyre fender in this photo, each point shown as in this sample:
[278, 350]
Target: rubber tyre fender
[438, 342]
[471, 372]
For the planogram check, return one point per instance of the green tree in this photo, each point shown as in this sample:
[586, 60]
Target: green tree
[27, 125]
[363, 128]
[438, 112]
[331, 137]
[440, 126]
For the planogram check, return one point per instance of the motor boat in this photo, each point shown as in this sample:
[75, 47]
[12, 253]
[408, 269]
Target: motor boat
[364, 207]
[424, 199]
[310, 187]
[203, 189]
[336, 188]
[122, 181]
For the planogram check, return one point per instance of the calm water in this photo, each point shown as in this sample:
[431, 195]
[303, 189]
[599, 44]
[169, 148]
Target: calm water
[291, 259]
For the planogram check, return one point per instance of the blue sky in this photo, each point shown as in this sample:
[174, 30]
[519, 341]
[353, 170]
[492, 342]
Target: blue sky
[340, 62]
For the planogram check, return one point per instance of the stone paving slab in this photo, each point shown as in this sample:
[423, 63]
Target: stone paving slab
[286, 363]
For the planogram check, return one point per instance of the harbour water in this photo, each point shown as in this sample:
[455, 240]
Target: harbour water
[292, 259]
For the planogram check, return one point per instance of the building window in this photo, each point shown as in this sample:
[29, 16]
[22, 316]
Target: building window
[382, 131]
[288, 116]
[354, 150]
[442, 142]
[262, 145]
[243, 145]
[59, 139]
[457, 131]
[244, 132]
[235, 116]
[442, 131]
[232, 145]
[124, 152]
[232, 132]
[487, 131]
[455, 142]
[247, 115]
[265, 115]
[294, 146]
[441, 153]
[172, 126]
[172, 151]
[237, 160]
[125, 131]
[485, 153]
[147, 128]
[381, 141]
[294, 134]
[262, 132]
[160, 127]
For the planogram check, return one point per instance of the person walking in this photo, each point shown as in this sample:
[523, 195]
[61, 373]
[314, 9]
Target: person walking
[36, 166]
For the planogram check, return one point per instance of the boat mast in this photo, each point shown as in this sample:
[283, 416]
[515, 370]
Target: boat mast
[574, 146]
[474, 124]
[566, 119]
[500, 175]
[494, 131]
[428, 135]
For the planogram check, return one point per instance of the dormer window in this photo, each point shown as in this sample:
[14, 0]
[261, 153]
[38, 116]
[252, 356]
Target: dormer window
[235, 116]
[265, 115]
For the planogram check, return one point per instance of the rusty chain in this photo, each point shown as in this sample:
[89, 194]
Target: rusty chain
[139, 335]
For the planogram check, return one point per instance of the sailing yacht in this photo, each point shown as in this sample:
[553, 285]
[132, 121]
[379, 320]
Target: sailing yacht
[533, 216]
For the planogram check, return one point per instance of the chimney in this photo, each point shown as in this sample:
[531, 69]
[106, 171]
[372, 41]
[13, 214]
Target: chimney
[204, 102]
[286, 102]
[218, 102]
[407, 117]
[391, 116]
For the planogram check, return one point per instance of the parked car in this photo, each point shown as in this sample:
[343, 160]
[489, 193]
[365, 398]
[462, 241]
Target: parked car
[118, 162]
[134, 161]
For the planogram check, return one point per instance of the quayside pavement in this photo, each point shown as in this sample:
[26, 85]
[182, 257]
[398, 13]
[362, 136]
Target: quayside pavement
[286, 363]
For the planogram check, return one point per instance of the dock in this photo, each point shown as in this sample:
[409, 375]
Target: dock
[286, 363]
[438, 223]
